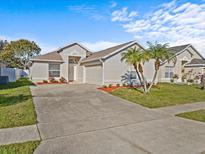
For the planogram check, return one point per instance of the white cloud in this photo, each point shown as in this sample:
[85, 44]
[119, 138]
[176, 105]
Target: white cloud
[113, 4]
[171, 22]
[123, 15]
[100, 45]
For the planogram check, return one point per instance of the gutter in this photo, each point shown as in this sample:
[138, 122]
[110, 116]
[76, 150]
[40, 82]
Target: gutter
[46, 60]
[194, 65]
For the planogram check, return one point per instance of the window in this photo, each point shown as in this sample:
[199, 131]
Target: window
[54, 70]
[169, 72]
[73, 60]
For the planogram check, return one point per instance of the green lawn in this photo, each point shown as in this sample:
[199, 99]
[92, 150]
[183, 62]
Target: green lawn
[164, 94]
[195, 115]
[19, 148]
[16, 106]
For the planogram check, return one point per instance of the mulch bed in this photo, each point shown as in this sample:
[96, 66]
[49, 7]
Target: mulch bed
[110, 89]
[43, 83]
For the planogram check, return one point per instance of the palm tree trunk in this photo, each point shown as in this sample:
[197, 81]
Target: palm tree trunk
[139, 77]
[157, 65]
[144, 83]
[153, 80]
[143, 78]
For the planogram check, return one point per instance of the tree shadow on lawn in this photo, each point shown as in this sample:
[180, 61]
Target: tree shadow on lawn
[19, 83]
[11, 100]
[140, 90]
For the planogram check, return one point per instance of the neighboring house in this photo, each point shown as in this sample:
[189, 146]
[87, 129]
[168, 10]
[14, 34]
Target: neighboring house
[2, 64]
[76, 63]
[12, 74]
[188, 59]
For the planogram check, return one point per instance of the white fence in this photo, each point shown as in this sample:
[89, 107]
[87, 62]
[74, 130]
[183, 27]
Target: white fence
[13, 73]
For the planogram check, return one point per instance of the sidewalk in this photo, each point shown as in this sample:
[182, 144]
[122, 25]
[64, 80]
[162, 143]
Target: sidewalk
[19, 134]
[173, 110]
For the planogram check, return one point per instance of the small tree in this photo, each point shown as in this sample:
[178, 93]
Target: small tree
[131, 58]
[137, 57]
[160, 53]
[18, 53]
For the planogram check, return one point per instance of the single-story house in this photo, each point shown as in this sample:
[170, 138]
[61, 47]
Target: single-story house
[76, 63]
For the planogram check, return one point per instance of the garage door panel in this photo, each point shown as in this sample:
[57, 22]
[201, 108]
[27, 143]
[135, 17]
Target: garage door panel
[94, 74]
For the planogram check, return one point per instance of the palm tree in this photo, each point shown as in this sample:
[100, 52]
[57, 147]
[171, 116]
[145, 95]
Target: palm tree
[161, 53]
[136, 57]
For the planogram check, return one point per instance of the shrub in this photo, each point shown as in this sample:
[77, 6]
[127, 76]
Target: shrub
[197, 77]
[110, 86]
[118, 85]
[104, 86]
[124, 85]
[175, 76]
[45, 81]
[53, 80]
[172, 80]
[63, 80]
[190, 80]
[184, 76]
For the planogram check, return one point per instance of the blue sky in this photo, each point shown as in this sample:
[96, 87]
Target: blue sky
[100, 24]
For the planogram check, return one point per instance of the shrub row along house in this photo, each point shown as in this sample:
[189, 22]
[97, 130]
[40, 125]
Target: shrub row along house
[76, 63]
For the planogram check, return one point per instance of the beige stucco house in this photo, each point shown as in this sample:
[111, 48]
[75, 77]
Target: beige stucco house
[76, 63]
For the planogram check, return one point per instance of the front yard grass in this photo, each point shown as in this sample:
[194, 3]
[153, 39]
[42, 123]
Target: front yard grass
[164, 94]
[16, 106]
[198, 115]
[19, 148]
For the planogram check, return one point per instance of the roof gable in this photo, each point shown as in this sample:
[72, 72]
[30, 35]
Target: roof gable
[55, 55]
[73, 44]
[177, 50]
[109, 51]
[51, 56]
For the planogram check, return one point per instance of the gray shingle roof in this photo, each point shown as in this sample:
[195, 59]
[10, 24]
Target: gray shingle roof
[176, 49]
[55, 56]
[100, 54]
[196, 62]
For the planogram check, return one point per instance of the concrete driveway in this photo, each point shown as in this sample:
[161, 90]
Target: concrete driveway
[78, 119]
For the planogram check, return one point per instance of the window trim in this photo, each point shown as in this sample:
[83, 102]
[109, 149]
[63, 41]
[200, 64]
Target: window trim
[170, 71]
[54, 70]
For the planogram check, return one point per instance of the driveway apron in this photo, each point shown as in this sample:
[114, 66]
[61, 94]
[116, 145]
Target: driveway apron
[79, 119]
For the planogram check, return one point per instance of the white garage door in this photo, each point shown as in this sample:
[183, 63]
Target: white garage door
[93, 74]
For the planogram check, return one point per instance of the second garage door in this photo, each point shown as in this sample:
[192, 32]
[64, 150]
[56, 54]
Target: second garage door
[93, 74]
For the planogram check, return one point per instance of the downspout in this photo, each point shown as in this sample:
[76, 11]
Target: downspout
[102, 71]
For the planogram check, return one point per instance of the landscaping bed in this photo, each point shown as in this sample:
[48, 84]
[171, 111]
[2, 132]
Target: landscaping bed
[51, 80]
[198, 115]
[164, 94]
[110, 89]
[19, 148]
[16, 105]
[43, 83]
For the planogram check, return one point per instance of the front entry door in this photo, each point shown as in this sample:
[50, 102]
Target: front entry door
[72, 61]
[71, 72]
